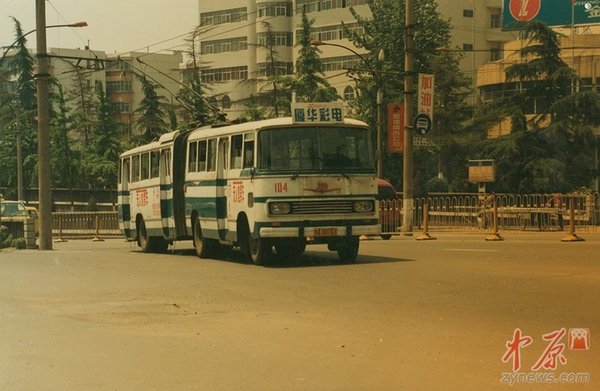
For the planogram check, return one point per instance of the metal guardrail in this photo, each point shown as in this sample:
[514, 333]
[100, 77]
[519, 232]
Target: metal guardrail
[85, 224]
[531, 212]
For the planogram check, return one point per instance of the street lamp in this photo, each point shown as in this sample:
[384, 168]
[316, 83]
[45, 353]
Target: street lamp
[44, 175]
[380, 58]
[12, 45]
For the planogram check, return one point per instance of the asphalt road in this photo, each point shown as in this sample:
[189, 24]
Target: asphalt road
[410, 315]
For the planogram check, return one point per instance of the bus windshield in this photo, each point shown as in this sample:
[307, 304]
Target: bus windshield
[314, 148]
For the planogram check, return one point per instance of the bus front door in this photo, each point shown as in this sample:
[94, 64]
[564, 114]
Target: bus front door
[221, 187]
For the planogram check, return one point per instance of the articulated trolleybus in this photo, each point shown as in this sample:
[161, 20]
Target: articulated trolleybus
[278, 183]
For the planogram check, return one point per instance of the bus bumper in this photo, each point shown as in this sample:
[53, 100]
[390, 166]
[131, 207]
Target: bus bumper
[294, 232]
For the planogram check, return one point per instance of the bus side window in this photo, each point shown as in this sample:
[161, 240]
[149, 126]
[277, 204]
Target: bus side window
[212, 155]
[249, 154]
[166, 162]
[236, 152]
[202, 155]
[145, 163]
[154, 168]
[135, 168]
[192, 157]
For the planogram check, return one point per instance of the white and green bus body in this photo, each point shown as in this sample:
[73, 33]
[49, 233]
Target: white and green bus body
[255, 185]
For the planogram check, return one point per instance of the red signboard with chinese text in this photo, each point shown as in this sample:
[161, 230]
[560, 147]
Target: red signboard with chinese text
[395, 127]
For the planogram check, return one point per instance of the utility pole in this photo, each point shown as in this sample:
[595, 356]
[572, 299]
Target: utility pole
[407, 185]
[19, 153]
[44, 178]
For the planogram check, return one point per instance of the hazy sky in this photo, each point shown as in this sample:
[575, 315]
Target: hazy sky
[114, 25]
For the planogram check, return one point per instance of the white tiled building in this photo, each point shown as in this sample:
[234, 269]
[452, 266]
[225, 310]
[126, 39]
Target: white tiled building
[236, 28]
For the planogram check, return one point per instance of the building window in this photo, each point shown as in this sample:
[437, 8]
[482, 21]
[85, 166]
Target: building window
[224, 45]
[467, 47]
[348, 93]
[468, 13]
[224, 74]
[330, 33]
[115, 86]
[268, 69]
[495, 54]
[324, 5]
[226, 102]
[274, 9]
[120, 107]
[495, 21]
[224, 16]
[277, 39]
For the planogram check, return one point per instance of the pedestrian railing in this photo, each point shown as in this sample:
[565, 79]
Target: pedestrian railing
[531, 212]
[85, 224]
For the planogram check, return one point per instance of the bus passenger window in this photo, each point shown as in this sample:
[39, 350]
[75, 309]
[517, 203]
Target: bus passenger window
[135, 168]
[154, 158]
[192, 157]
[236, 152]
[145, 164]
[202, 155]
[249, 154]
[212, 155]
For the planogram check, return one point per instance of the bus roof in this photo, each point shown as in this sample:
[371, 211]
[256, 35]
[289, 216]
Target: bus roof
[262, 124]
[211, 130]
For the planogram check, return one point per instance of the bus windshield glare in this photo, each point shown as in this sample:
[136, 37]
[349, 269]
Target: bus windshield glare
[314, 148]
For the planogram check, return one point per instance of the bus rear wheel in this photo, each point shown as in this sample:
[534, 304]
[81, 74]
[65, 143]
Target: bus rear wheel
[202, 245]
[150, 244]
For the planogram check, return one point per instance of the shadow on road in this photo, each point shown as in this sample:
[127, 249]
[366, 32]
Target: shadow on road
[308, 259]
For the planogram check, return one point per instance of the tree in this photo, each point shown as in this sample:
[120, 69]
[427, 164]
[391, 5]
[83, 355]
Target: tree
[21, 66]
[63, 158]
[193, 97]
[151, 122]
[270, 88]
[309, 82]
[551, 138]
[101, 157]
[385, 30]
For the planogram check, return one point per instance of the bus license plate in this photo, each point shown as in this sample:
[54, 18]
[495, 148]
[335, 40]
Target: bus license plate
[325, 231]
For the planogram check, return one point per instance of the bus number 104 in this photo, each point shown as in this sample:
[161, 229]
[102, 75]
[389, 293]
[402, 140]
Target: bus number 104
[281, 187]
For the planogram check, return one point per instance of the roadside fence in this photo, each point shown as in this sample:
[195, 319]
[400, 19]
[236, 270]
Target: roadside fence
[85, 224]
[530, 212]
[468, 212]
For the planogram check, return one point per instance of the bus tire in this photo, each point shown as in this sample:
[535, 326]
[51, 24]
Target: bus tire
[150, 244]
[348, 249]
[201, 244]
[386, 236]
[291, 247]
[260, 250]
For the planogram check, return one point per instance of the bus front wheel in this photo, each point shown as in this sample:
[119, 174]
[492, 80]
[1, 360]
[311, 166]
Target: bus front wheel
[348, 249]
[260, 249]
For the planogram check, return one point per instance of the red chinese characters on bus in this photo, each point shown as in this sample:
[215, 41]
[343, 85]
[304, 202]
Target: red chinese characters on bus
[237, 191]
[141, 197]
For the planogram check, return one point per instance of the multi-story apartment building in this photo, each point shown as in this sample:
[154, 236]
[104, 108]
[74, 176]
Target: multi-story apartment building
[233, 44]
[80, 69]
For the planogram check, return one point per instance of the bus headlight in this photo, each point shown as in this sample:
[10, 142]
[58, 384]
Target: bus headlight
[279, 208]
[363, 206]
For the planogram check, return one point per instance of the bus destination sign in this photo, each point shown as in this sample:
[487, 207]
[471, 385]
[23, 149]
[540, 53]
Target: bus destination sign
[318, 112]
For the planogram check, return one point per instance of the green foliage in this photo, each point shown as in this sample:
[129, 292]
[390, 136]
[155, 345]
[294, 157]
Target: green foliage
[19, 243]
[555, 147]
[309, 81]
[151, 122]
